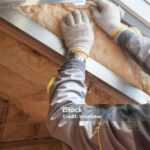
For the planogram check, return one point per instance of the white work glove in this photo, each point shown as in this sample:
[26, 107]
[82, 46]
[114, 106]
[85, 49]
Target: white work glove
[107, 16]
[78, 33]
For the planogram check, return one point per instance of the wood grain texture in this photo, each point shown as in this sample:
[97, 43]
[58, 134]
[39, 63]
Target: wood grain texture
[24, 75]
[19, 132]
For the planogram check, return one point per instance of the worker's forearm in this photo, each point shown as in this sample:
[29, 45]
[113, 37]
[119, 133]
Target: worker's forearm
[68, 90]
[137, 46]
[69, 85]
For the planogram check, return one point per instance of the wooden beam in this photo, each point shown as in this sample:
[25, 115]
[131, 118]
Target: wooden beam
[28, 142]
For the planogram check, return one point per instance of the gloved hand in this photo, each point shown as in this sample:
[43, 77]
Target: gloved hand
[77, 32]
[108, 17]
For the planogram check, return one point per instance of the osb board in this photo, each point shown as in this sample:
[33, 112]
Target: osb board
[105, 51]
[24, 75]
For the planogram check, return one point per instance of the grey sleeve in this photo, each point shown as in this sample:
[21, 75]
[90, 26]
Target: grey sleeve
[68, 90]
[131, 112]
[137, 46]
[69, 85]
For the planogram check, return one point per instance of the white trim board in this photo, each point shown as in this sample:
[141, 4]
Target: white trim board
[138, 8]
[132, 18]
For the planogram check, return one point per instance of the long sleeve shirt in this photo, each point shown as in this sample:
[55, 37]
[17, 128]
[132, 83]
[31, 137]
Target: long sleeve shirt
[138, 48]
[124, 127]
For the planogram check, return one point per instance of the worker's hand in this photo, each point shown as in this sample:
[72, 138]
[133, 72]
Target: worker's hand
[107, 16]
[78, 33]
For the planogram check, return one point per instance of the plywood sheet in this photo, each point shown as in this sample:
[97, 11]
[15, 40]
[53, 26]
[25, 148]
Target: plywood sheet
[105, 51]
[24, 76]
